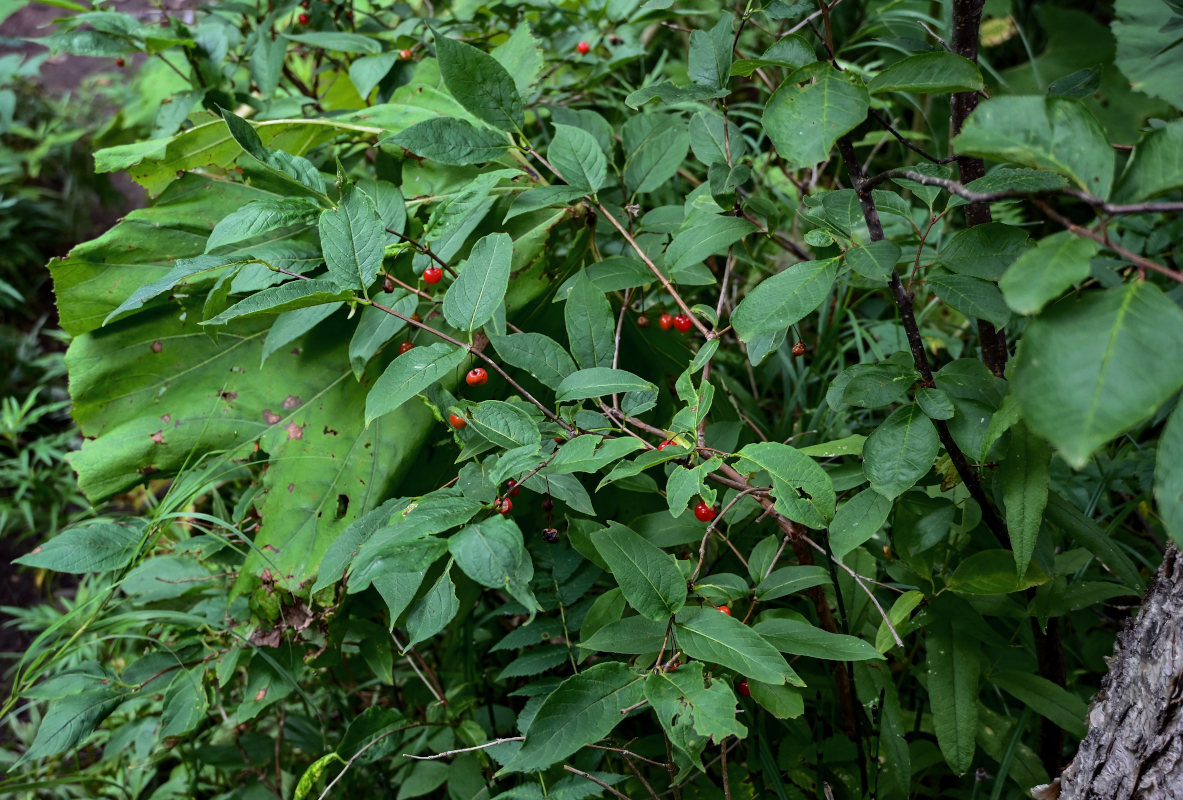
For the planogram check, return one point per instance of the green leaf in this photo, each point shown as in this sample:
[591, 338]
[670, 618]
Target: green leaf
[631, 635]
[375, 328]
[95, 547]
[718, 638]
[452, 141]
[937, 72]
[1043, 132]
[1168, 475]
[285, 297]
[521, 55]
[937, 404]
[591, 330]
[338, 41]
[1040, 275]
[790, 580]
[505, 424]
[873, 385]
[577, 454]
[581, 711]
[993, 572]
[857, 520]
[647, 575]
[709, 60]
[1072, 520]
[365, 73]
[1045, 698]
[480, 84]
[875, 260]
[297, 173]
[1024, 478]
[710, 235]
[953, 669]
[1156, 165]
[433, 612]
[984, 251]
[804, 492]
[538, 354]
[657, 158]
[493, 554]
[409, 374]
[692, 714]
[578, 158]
[70, 720]
[1089, 369]
[804, 121]
[291, 325]
[1147, 49]
[185, 702]
[972, 297]
[479, 289]
[900, 451]
[352, 237]
[597, 382]
[784, 299]
[799, 638]
[260, 222]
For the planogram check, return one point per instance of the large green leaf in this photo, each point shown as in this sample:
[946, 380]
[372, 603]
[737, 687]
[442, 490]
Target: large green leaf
[1148, 49]
[718, 638]
[1156, 165]
[1037, 277]
[590, 327]
[452, 141]
[493, 554]
[693, 714]
[479, 289]
[480, 84]
[802, 639]
[1046, 698]
[953, 669]
[900, 451]
[581, 711]
[93, 547]
[804, 492]
[1090, 369]
[352, 237]
[937, 72]
[1045, 132]
[804, 121]
[1024, 478]
[1168, 475]
[647, 575]
[411, 373]
[578, 158]
[784, 299]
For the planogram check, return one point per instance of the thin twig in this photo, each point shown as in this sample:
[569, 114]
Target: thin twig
[449, 753]
[595, 780]
[859, 580]
[1104, 241]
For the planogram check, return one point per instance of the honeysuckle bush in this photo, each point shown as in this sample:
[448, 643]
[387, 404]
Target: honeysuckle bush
[828, 431]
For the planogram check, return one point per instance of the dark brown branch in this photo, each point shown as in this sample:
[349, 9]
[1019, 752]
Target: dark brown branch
[1133, 258]
[903, 302]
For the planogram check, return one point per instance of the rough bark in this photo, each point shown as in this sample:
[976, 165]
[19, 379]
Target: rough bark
[1134, 747]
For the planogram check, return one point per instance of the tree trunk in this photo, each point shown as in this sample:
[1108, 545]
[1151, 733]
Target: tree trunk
[1134, 747]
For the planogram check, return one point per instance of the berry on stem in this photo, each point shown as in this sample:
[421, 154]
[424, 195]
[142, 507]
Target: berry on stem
[743, 687]
[457, 421]
[683, 323]
[119, 62]
[405, 55]
[704, 513]
[503, 505]
[799, 349]
[512, 489]
[583, 48]
[548, 504]
[665, 444]
[725, 609]
[550, 535]
[643, 321]
[666, 321]
[476, 376]
[303, 19]
[433, 275]
[404, 347]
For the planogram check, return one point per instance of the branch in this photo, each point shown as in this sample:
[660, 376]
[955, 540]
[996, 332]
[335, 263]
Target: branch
[448, 753]
[1133, 258]
[595, 780]
[903, 302]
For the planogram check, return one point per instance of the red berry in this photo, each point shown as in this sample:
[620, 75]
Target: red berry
[743, 687]
[512, 489]
[404, 347]
[683, 323]
[666, 321]
[725, 609]
[457, 421]
[704, 513]
[303, 19]
[503, 505]
[433, 275]
[119, 62]
[799, 349]
[673, 666]
[405, 55]
[664, 445]
[583, 48]
[476, 376]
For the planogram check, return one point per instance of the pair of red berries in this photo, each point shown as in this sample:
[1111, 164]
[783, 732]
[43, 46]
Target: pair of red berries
[433, 275]
[682, 322]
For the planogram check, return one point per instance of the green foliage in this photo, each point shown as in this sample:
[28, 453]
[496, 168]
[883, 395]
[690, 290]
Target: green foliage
[339, 590]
